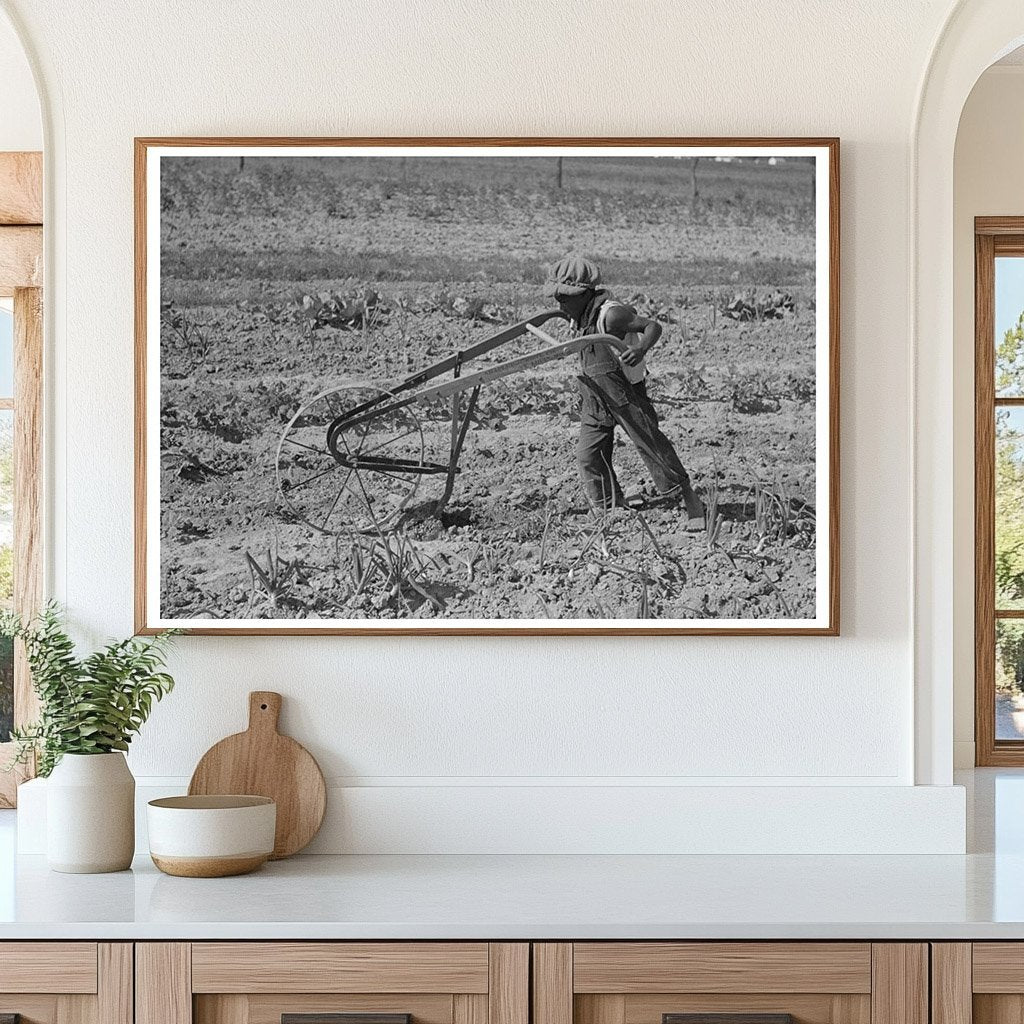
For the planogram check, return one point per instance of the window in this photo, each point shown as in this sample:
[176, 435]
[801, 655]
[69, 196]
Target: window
[20, 492]
[21, 366]
[999, 490]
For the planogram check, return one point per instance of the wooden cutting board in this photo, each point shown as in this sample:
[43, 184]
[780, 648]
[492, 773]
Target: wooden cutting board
[262, 762]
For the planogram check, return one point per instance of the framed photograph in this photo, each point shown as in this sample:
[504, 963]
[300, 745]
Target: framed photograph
[502, 386]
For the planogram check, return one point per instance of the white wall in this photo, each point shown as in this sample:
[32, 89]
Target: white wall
[21, 126]
[457, 712]
[987, 181]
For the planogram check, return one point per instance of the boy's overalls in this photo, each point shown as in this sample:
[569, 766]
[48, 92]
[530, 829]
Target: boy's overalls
[609, 398]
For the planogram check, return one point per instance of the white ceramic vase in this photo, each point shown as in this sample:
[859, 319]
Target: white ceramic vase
[90, 814]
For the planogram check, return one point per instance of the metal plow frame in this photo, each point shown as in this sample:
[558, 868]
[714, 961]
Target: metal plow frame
[404, 394]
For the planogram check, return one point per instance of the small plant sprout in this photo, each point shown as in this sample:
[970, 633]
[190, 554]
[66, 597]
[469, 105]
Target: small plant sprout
[712, 516]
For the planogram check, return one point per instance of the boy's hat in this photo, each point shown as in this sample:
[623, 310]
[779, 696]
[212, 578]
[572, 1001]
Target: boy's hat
[572, 275]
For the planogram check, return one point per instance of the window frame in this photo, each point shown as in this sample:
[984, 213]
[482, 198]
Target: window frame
[993, 237]
[21, 278]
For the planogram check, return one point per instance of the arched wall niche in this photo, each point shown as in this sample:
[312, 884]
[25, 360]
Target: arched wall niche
[975, 35]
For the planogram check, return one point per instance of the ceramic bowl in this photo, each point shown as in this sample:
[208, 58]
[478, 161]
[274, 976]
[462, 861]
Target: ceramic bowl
[211, 836]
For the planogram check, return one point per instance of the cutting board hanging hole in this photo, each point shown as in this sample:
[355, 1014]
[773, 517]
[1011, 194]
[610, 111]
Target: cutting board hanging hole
[264, 710]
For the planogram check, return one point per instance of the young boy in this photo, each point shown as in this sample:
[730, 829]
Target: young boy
[614, 392]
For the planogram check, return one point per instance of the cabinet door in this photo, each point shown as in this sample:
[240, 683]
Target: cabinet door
[65, 983]
[730, 983]
[332, 983]
[980, 982]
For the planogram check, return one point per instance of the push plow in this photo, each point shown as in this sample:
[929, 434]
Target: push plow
[353, 458]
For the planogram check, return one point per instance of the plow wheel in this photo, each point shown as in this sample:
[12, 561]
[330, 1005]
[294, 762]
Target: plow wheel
[372, 475]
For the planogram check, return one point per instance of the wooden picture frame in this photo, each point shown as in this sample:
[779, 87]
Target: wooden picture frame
[824, 202]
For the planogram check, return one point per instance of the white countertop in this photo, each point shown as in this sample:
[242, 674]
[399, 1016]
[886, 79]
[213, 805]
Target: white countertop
[517, 897]
[977, 896]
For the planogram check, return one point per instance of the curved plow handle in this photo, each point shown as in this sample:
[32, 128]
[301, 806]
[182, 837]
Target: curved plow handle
[608, 339]
[588, 339]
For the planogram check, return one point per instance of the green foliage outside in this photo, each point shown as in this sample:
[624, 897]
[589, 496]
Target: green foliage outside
[6, 573]
[90, 705]
[1010, 361]
[1009, 511]
[1009, 656]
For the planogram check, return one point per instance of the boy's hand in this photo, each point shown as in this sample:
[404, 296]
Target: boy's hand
[633, 355]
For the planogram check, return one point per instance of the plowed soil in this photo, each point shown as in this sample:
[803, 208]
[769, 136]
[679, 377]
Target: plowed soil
[285, 279]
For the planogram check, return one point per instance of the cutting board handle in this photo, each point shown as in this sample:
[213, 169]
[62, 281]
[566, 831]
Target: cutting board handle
[264, 710]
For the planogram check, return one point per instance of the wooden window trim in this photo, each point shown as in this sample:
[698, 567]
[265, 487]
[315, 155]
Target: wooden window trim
[21, 269]
[21, 188]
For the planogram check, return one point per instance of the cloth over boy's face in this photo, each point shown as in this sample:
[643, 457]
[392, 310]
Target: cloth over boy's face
[573, 305]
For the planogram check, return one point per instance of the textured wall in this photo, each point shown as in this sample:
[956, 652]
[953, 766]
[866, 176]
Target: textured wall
[698, 710]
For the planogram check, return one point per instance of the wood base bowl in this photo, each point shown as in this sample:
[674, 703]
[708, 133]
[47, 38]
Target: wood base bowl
[208, 867]
[211, 836]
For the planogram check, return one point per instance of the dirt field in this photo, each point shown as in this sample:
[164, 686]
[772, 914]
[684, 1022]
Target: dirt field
[285, 279]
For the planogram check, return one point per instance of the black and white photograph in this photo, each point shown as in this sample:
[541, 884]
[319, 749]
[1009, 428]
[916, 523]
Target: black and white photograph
[462, 386]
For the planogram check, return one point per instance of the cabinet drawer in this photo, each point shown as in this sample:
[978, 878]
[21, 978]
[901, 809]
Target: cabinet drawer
[66, 982]
[340, 967]
[65, 967]
[333, 983]
[730, 983]
[635, 967]
[998, 967]
[981, 982]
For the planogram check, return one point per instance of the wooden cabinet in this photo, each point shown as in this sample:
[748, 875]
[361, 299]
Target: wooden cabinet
[66, 982]
[309, 982]
[978, 983]
[752, 982]
[494, 983]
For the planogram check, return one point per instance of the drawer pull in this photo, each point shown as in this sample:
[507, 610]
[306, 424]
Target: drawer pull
[340, 1018]
[727, 1018]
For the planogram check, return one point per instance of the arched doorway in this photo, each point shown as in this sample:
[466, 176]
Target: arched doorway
[975, 35]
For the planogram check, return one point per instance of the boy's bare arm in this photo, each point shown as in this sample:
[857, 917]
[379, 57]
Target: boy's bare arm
[623, 320]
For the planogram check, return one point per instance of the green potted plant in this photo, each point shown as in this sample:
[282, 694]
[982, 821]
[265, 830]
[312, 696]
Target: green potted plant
[90, 708]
